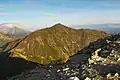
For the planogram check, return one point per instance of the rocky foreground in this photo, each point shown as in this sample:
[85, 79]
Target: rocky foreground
[98, 61]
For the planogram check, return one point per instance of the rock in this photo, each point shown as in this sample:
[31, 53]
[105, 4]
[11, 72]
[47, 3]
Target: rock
[116, 75]
[48, 75]
[65, 69]
[99, 59]
[108, 75]
[111, 55]
[87, 78]
[58, 70]
[97, 51]
[117, 42]
[108, 41]
[90, 61]
[75, 73]
[118, 59]
[74, 78]
[68, 74]
[112, 51]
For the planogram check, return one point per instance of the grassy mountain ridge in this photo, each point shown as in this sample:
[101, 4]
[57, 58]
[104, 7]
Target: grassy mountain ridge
[55, 43]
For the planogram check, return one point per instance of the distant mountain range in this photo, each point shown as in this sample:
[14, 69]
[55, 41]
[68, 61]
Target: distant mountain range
[13, 30]
[110, 28]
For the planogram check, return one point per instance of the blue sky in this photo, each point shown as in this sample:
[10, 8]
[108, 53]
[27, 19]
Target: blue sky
[34, 14]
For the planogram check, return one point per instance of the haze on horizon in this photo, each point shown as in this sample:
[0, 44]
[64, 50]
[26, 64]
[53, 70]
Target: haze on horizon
[35, 14]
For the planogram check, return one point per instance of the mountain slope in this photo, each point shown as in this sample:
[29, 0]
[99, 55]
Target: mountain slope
[98, 61]
[55, 43]
[13, 30]
[4, 39]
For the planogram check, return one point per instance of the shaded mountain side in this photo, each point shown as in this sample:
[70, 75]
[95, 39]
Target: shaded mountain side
[98, 61]
[55, 43]
[11, 66]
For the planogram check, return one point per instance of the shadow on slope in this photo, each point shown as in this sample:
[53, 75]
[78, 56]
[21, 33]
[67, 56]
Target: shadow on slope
[11, 66]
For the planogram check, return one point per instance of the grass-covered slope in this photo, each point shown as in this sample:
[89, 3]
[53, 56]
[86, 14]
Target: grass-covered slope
[55, 43]
[4, 39]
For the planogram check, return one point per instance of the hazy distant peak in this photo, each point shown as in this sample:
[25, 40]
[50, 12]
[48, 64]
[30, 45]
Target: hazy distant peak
[13, 29]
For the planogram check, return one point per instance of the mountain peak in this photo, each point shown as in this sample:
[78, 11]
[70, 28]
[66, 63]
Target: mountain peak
[59, 25]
